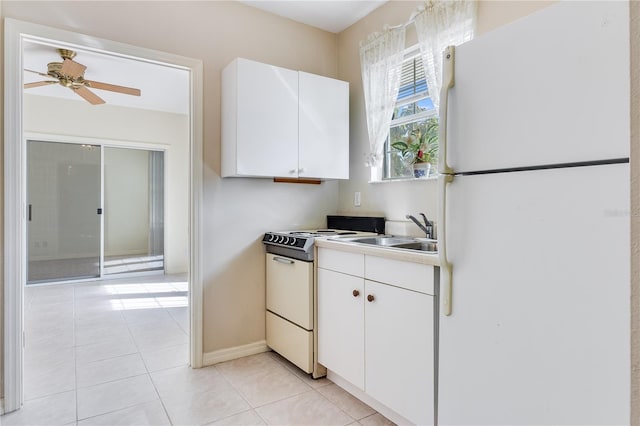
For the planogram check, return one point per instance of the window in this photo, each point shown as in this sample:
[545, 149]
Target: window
[414, 121]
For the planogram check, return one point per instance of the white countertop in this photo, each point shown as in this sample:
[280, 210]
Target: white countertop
[416, 256]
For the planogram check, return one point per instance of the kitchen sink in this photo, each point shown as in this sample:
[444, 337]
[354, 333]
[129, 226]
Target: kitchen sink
[421, 245]
[382, 241]
[409, 243]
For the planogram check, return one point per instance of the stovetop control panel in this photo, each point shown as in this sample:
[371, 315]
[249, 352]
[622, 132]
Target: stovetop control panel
[285, 240]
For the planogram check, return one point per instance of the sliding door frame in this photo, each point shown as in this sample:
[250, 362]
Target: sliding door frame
[103, 144]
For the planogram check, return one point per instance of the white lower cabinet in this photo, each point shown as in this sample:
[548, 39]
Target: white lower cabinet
[378, 336]
[341, 324]
[399, 351]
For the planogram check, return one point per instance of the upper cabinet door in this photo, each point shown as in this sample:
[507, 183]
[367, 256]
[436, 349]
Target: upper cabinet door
[259, 120]
[323, 127]
[275, 126]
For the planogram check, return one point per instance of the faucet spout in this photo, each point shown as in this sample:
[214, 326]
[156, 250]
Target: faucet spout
[427, 228]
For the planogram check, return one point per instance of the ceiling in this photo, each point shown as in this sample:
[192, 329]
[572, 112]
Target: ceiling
[329, 15]
[163, 88]
[166, 88]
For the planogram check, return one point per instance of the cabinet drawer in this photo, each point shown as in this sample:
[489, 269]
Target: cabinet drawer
[341, 261]
[290, 289]
[290, 341]
[412, 276]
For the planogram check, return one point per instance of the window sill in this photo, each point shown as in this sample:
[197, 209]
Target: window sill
[407, 179]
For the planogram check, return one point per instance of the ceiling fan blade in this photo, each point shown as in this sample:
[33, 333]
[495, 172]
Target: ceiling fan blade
[72, 68]
[39, 83]
[38, 72]
[113, 88]
[88, 95]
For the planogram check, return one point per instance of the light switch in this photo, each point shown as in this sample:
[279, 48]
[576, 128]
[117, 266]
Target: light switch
[356, 199]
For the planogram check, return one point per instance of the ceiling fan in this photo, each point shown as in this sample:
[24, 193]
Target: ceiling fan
[69, 73]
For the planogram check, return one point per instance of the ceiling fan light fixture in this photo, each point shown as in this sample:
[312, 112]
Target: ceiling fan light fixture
[70, 74]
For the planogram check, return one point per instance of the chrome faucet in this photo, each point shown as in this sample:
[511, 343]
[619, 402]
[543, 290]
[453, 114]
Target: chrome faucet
[427, 228]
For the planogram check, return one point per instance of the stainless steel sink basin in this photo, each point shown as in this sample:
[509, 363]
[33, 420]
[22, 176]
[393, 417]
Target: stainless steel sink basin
[382, 241]
[425, 245]
[419, 244]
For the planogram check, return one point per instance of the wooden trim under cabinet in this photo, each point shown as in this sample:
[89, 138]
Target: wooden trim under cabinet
[298, 180]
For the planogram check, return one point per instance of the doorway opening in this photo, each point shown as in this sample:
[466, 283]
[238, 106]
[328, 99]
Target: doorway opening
[17, 35]
[93, 211]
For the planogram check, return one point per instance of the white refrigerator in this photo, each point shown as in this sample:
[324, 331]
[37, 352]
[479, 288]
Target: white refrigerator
[534, 322]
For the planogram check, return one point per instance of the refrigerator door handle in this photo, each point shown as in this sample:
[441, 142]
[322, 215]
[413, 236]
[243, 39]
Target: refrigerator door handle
[448, 61]
[445, 266]
[446, 177]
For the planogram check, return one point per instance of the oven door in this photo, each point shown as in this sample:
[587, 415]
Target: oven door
[290, 289]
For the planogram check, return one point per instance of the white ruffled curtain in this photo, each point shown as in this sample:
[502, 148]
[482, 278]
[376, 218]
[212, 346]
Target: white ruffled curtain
[381, 62]
[442, 23]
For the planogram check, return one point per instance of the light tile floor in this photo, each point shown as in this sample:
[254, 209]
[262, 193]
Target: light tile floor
[116, 353]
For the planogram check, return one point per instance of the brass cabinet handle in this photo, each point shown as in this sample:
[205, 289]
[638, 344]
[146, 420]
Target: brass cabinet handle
[370, 298]
[356, 293]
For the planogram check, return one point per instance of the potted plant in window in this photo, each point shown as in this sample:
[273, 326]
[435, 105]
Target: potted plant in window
[420, 147]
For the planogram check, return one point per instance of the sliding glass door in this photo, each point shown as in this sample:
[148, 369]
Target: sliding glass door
[134, 210]
[64, 207]
[93, 211]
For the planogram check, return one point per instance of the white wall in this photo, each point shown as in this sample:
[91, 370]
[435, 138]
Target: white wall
[62, 118]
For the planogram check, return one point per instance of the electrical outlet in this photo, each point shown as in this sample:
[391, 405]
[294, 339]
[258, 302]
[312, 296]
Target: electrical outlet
[356, 199]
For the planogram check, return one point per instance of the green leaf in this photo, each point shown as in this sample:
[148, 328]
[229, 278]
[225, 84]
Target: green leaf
[400, 146]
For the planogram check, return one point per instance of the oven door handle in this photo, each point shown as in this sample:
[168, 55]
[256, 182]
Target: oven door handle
[283, 260]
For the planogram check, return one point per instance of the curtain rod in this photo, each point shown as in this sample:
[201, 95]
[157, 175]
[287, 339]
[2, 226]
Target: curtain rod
[405, 25]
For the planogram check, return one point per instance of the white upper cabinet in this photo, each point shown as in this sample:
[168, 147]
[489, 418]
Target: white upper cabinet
[259, 120]
[323, 127]
[278, 122]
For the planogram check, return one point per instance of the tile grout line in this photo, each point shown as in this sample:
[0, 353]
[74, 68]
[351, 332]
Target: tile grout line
[100, 284]
[145, 363]
[278, 400]
[339, 408]
[251, 407]
[139, 352]
[224, 377]
[291, 367]
[74, 298]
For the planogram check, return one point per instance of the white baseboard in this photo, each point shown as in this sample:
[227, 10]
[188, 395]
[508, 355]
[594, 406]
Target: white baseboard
[228, 354]
[362, 396]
